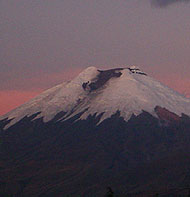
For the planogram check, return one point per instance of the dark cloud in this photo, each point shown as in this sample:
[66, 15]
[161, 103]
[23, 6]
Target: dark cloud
[165, 3]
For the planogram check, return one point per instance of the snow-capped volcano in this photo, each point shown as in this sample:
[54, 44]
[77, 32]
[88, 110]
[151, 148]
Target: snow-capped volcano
[127, 90]
[117, 128]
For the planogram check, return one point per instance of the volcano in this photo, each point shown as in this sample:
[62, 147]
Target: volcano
[118, 128]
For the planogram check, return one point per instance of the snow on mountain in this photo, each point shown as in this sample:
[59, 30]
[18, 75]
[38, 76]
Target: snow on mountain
[93, 91]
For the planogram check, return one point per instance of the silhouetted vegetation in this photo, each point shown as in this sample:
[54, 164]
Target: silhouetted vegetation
[109, 193]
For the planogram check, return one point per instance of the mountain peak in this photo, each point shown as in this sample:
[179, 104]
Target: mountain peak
[88, 73]
[128, 90]
[97, 80]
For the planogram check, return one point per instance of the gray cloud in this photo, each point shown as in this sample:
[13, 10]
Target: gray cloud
[165, 3]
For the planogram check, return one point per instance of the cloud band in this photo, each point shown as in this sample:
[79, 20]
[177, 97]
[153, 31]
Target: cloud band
[165, 3]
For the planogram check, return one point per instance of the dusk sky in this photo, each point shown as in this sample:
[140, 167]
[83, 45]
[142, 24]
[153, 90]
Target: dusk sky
[45, 42]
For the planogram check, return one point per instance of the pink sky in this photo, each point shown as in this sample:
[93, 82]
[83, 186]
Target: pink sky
[12, 99]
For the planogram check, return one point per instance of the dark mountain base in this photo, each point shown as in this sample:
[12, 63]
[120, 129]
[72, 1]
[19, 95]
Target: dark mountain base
[79, 158]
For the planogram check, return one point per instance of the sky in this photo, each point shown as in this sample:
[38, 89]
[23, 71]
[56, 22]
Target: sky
[43, 43]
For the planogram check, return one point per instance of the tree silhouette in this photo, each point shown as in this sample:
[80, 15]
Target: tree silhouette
[110, 192]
